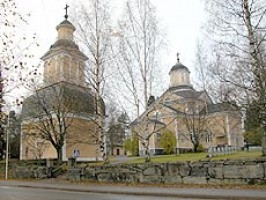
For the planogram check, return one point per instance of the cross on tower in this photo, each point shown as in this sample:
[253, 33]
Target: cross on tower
[67, 6]
[177, 55]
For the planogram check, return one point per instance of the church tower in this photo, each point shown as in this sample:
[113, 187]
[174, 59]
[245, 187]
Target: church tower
[64, 61]
[180, 76]
[59, 118]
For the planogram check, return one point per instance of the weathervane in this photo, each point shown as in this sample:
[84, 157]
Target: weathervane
[67, 6]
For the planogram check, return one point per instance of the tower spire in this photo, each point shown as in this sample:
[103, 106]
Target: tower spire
[67, 6]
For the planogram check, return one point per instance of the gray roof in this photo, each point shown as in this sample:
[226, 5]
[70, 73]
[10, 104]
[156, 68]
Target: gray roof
[150, 121]
[65, 23]
[182, 87]
[173, 109]
[189, 93]
[156, 122]
[220, 107]
[179, 66]
[64, 44]
[67, 97]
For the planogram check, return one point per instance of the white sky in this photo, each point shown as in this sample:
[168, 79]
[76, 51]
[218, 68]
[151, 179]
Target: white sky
[181, 19]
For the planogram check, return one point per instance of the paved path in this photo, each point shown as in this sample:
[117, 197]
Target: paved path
[121, 159]
[189, 192]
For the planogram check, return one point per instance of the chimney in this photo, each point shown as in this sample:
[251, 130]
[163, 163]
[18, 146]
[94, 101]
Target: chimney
[151, 100]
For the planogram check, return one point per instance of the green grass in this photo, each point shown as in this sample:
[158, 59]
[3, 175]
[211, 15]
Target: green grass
[193, 157]
[196, 157]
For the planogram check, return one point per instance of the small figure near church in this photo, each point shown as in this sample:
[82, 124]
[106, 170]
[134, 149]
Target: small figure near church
[76, 153]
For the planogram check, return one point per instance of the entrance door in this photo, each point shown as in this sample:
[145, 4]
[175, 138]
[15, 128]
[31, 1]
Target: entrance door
[117, 152]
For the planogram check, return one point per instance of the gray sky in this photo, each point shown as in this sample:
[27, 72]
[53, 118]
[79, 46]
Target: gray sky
[182, 20]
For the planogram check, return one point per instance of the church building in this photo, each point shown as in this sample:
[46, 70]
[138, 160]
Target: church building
[63, 118]
[191, 115]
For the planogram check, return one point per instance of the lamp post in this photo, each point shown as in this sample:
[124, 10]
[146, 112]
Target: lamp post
[7, 145]
[11, 115]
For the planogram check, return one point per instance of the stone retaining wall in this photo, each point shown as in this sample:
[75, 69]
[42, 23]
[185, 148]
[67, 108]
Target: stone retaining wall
[30, 172]
[32, 169]
[204, 172]
[2, 170]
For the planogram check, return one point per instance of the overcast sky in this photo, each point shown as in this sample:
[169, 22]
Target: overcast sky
[182, 20]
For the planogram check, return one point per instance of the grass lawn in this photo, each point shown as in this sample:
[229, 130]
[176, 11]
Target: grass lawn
[243, 155]
[197, 157]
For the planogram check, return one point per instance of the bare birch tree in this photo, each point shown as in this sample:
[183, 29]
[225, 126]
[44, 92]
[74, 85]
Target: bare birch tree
[195, 121]
[193, 117]
[140, 43]
[15, 54]
[93, 33]
[50, 112]
[237, 29]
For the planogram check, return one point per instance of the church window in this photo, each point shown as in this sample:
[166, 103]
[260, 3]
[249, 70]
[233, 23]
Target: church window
[27, 152]
[40, 148]
[167, 101]
[77, 73]
[186, 108]
[183, 137]
[183, 77]
[69, 71]
[81, 71]
[57, 67]
[156, 114]
[209, 136]
[158, 135]
[60, 67]
[197, 108]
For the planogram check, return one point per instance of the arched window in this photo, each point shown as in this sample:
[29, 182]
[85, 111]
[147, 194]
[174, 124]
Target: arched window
[77, 72]
[208, 136]
[184, 77]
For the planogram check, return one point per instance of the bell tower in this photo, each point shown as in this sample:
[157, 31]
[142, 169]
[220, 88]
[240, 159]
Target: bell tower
[63, 107]
[64, 61]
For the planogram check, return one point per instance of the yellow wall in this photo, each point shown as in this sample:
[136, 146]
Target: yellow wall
[225, 126]
[81, 136]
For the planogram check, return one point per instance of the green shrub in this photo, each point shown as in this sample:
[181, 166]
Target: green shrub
[201, 148]
[168, 142]
[132, 145]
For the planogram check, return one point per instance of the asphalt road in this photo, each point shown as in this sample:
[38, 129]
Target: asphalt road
[59, 189]
[16, 193]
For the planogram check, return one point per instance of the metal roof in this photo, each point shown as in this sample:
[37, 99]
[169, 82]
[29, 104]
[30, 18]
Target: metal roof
[179, 66]
[68, 97]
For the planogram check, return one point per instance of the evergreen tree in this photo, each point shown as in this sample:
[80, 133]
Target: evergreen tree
[117, 131]
[253, 134]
